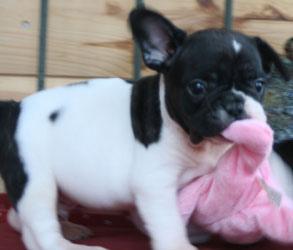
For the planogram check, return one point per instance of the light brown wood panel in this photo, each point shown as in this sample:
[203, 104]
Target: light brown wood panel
[91, 38]
[270, 19]
[276, 35]
[17, 87]
[19, 23]
[280, 10]
[191, 15]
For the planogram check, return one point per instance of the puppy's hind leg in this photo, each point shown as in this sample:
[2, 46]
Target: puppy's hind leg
[29, 240]
[15, 223]
[27, 237]
[37, 211]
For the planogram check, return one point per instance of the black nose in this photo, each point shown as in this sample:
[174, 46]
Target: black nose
[234, 105]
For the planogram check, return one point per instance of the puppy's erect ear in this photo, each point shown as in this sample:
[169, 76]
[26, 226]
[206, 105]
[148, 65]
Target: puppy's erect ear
[157, 37]
[270, 57]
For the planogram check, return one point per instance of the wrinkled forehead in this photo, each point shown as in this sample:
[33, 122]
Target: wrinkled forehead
[220, 53]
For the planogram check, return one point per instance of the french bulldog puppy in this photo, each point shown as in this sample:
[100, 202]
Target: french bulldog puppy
[108, 144]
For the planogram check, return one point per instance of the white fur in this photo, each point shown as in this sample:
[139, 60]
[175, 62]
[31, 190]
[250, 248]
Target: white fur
[252, 107]
[236, 46]
[90, 153]
[282, 174]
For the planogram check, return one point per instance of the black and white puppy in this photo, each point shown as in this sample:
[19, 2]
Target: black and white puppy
[111, 145]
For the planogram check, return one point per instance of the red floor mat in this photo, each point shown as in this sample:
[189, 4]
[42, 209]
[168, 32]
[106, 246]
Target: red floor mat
[115, 233]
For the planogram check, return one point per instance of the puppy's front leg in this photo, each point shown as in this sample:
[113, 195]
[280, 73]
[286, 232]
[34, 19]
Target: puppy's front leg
[157, 205]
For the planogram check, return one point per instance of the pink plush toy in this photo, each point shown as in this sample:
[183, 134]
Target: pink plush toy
[240, 200]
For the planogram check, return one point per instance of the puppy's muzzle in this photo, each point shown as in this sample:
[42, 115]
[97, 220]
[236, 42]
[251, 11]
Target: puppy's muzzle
[217, 116]
[231, 107]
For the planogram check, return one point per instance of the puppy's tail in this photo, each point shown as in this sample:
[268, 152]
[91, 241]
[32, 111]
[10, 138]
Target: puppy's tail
[11, 168]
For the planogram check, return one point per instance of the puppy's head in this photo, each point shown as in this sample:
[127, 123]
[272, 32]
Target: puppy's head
[212, 77]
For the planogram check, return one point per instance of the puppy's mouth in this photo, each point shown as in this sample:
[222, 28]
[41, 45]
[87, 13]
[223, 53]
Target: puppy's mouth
[212, 125]
[215, 140]
[196, 139]
[214, 115]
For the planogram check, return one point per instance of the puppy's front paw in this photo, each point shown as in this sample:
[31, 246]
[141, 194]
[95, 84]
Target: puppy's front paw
[74, 232]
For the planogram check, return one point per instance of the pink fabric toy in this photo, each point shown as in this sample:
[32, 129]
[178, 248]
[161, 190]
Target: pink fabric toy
[239, 200]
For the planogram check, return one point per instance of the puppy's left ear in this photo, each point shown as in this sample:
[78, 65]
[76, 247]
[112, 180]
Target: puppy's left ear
[156, 36]
[269, 57]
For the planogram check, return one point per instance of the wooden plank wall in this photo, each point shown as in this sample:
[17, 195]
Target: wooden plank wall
[89, 38]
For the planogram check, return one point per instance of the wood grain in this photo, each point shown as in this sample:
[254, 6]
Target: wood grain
[91, 38]
[270, 19]
[276, 35]
[18, 36]
[280, 10]
[17, 87]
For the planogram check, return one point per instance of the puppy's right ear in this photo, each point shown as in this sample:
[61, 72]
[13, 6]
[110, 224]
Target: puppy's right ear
[269, 56]
[156, 36]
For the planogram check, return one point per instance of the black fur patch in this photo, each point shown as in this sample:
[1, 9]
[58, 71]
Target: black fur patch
[54, 116]
[129, 81]
[285, 150]
[145, 110]
[11, 167]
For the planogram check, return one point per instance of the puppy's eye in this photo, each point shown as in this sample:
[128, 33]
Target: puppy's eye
[259, 84]
[197, 87]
